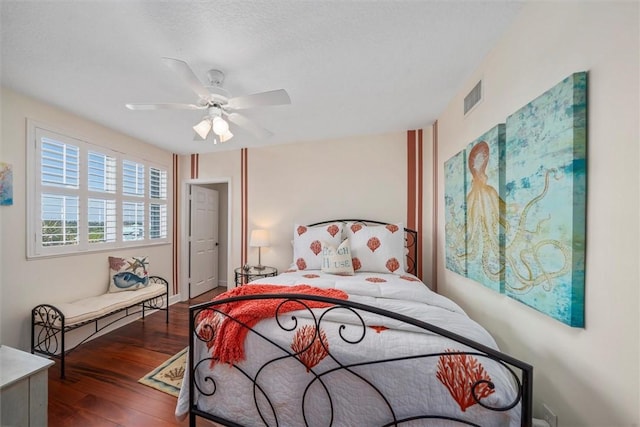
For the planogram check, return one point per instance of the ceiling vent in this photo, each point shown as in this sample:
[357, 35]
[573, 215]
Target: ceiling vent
[473, 98]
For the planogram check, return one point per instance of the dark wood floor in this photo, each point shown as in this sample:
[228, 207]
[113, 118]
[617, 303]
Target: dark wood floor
[101, 387]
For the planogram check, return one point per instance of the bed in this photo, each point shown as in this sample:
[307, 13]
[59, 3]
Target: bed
[348, 336]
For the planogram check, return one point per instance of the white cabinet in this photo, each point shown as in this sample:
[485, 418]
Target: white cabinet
[23, 388]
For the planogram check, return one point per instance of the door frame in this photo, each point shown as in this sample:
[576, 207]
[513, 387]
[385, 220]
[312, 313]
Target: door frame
[183, 266]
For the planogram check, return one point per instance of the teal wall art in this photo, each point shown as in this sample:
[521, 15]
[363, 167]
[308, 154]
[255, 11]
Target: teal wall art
[486, 209]
[6, 184]
[455, 206]
[515, 219]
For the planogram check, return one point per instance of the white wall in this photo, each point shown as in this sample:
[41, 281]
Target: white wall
[59, 279]
[360, 177]
[589, 376]
[429, 193]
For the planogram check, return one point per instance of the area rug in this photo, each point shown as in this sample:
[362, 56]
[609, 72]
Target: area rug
[168, 376]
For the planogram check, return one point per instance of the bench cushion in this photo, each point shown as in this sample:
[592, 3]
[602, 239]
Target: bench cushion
[90, 308]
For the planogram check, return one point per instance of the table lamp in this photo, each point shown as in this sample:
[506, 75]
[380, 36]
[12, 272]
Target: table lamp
[259, 239]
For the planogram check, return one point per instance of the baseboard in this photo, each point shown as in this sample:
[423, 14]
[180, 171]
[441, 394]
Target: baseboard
[178, 297]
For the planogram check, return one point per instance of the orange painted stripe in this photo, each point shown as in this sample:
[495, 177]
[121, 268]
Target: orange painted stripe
[411, 181]
[194, 166]
[175, 234]
[434, 224]
[419, 202]
[414, 190]
[244, 207]
[241, 206]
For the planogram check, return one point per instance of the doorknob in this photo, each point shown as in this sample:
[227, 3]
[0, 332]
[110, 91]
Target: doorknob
[216, 243]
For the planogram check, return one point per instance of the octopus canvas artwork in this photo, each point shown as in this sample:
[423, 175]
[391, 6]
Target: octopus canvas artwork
[515, 203]
[485, 209]
[474, 210]
[455, 213]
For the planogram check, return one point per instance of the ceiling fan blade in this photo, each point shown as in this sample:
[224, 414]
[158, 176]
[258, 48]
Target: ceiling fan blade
[247, 124]
[165, 106]
[182, 68]
[262, 99]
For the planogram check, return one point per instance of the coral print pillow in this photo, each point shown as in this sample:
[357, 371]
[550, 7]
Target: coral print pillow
[307, 244]
[377, 248]
[128, 274]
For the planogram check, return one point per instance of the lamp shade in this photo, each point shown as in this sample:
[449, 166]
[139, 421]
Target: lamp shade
[227, 136]
[203, 128]
[259, 238]
[220, 126]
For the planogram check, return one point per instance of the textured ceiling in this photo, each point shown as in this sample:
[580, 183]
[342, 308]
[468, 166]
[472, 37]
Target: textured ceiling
[350, 67]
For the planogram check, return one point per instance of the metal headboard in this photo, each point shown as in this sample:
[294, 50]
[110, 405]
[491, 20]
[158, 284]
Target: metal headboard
[410, 240]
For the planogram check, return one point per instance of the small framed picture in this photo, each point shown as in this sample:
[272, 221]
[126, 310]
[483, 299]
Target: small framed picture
[6, 184]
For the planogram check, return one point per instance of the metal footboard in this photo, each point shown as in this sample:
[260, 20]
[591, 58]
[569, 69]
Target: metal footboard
[202, 383]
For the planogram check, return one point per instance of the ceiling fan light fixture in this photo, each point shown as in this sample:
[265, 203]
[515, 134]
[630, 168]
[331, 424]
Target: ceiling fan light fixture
[203, 128]
[220, 126]
[218, 102]
[225, 137]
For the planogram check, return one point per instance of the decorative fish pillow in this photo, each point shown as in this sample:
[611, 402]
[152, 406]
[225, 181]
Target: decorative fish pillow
[128, 274]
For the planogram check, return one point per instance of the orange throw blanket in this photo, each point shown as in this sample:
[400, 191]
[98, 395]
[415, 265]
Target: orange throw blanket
[227, 336]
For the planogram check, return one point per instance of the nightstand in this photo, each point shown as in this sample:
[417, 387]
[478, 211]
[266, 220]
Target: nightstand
[245, 276]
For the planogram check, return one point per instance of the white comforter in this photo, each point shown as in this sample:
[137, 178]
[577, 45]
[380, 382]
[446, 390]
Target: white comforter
[411, 386]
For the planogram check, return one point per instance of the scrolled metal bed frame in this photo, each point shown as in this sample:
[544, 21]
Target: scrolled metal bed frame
[200, 382]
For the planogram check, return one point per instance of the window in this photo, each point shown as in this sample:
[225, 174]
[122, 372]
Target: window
[158, 209]
[59, 220]
[132, 178]
[83, 197]
[101, 204]
[102, 220]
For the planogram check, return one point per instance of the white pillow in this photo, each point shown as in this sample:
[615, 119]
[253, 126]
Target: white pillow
[337, 260]
[307, 246]
[377, 248]
[128, 274]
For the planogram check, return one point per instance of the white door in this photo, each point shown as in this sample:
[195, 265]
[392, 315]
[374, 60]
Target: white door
[203, 252]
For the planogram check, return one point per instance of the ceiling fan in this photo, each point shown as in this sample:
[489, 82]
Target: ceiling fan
[219, 105]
